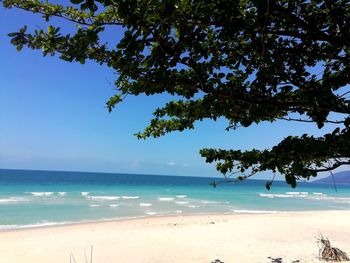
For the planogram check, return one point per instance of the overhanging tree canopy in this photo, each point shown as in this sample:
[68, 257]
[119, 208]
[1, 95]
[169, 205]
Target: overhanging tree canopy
[246, 61]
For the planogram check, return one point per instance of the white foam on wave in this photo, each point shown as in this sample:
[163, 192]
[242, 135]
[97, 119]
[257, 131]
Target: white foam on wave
[286, 195]
[193, 206]
[41, 193]
[209, 202]
[151, 213]
[267, 195]
[178, 211]
[107, 197]
[145, 204]
[242, 211]
[321, 197]
[62, 193]
[343, 200]
[293, 193]
[85, 193]
[95, 205]
[276, 195]
[324, 197]
[166, 199]
[181, 202]
[130, 197]
[41, 224]
[181, 196]
[300, 194]
[13, 200]
[114, 205]
[314, 196]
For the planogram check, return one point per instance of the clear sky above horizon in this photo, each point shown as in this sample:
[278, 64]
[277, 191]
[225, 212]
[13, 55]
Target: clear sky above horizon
[53, 117]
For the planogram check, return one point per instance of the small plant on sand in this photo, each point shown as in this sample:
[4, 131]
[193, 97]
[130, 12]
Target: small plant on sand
[329, 253]
[72, 258]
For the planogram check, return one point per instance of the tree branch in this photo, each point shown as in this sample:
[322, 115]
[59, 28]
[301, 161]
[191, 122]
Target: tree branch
[45, 10]
[311, 31]
[330, 168]
[309, 121]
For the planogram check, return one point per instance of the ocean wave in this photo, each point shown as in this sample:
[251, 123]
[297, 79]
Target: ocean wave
[181, 202]
[276, 195]
[95, 205]
[107, 197]
[323, 198]
[181, 196]
[209, 202]
[114, 205]
[130, 197]
[292, 193]
[342, 200]
[41, 193]
[286, 195]
[297, 193]
[193, 206]
[35, 225]
[145, 204]
[13, 200]
[315, 196]
[255, 211]
[85, 193]
[178, 211]
[166, 199]
[62, 193]
[151, 213]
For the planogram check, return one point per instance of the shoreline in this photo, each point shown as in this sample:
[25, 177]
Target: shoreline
[184, 238]
[151, 217]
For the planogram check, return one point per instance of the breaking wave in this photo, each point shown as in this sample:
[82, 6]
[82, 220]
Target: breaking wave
[130, 197]
[166, 199]
[145, 204]
[13, 200]
[41, 193]
[103, 197]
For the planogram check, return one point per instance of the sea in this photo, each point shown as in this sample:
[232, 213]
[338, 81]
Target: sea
[31, 198]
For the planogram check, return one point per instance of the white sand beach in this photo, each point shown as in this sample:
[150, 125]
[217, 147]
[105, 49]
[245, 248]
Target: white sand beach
[182, 239]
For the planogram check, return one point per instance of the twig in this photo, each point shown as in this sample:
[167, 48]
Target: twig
[72, 257]
[335, 186]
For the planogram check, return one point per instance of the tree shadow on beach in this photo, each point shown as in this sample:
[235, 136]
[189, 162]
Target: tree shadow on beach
[280, 260]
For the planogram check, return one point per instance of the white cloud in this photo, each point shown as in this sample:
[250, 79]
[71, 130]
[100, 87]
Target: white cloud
[171, 163]
[185, 165]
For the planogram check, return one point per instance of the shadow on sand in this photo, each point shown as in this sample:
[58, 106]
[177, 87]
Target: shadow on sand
[280, 260]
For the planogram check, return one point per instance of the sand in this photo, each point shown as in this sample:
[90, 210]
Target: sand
[234, 238]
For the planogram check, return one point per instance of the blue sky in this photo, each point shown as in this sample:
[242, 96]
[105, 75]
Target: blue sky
[53, 117]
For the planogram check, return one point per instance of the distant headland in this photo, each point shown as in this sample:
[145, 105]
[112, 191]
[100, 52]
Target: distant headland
[340, 178]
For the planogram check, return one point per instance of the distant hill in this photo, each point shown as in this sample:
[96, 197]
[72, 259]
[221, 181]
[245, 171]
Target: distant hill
[340, 178]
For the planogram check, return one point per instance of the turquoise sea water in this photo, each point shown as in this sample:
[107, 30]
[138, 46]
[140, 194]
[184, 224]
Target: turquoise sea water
[38, 198]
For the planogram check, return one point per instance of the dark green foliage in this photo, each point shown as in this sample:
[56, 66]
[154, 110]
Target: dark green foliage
[245, 61]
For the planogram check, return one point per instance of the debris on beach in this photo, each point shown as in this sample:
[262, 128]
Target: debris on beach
[329, 253]
[217, 261]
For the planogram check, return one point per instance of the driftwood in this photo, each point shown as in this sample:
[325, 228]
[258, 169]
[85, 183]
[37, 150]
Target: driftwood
[329, 253]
